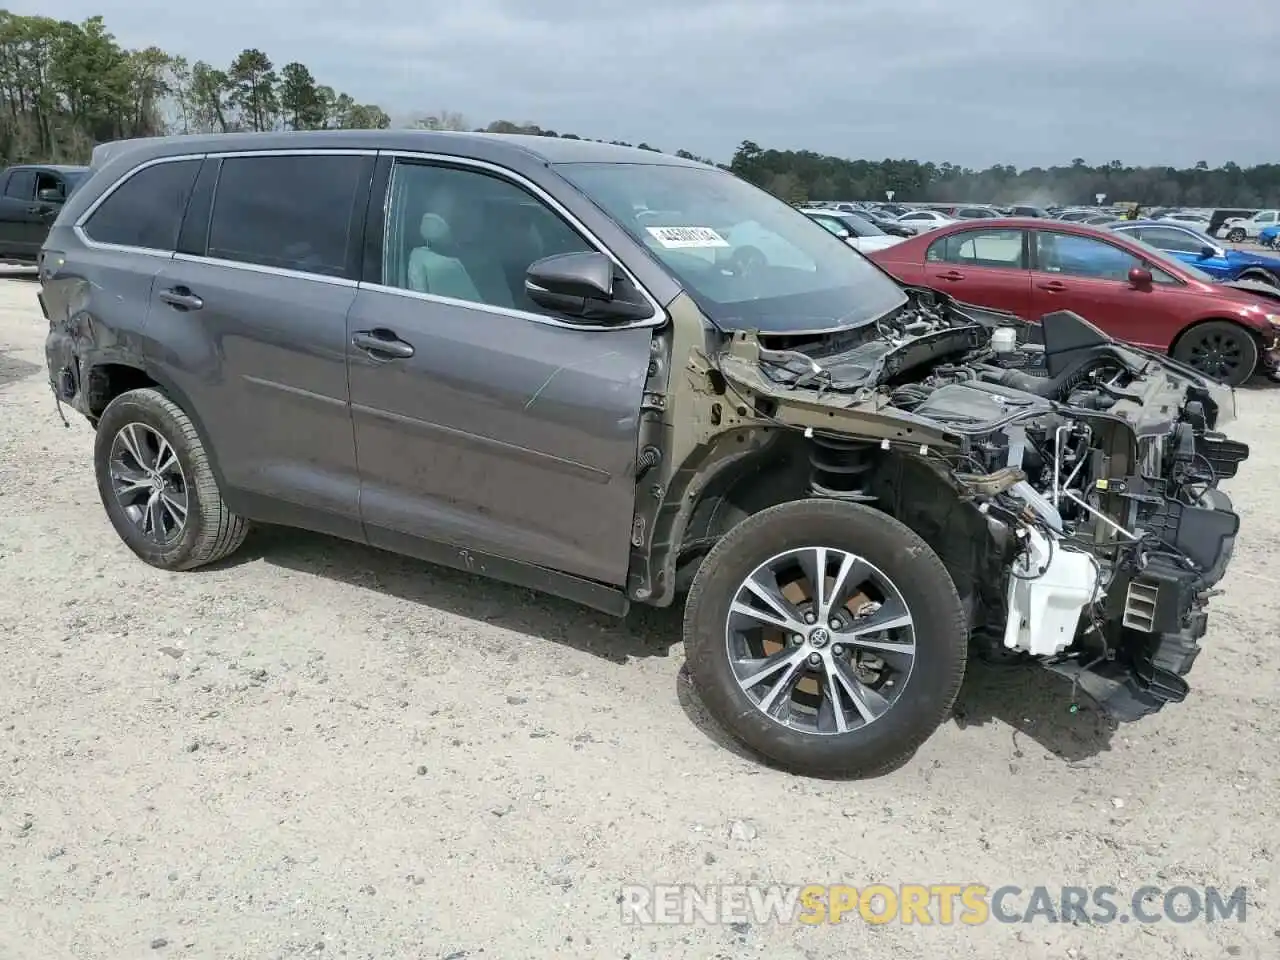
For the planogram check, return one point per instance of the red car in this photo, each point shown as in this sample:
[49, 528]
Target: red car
[1131, 290]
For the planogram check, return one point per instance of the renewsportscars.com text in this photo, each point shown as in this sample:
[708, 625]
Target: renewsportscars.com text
[926, 904]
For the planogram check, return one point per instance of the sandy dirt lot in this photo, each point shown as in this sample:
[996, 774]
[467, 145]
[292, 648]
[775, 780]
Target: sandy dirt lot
[322, 750]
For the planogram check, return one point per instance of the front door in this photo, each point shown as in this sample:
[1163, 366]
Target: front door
[480, 419]
[982, 266]
[25, 220]
[256, 320]
[1091, 277]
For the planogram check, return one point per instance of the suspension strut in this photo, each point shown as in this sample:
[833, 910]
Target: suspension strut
[839, 468]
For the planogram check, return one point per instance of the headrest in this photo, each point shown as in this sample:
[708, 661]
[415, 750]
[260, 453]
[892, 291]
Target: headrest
[434, 229]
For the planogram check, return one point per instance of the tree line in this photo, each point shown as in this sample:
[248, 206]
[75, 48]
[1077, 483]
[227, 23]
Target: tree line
[65, 87]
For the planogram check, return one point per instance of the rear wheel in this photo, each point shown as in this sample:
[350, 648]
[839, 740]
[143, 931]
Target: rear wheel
[1220, 349]
[826, 636]
[157, 486]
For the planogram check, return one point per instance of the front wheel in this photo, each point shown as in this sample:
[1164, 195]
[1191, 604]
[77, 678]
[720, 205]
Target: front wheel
[1236, 235]
[826, 636]
[157, 485]
[1220, 349]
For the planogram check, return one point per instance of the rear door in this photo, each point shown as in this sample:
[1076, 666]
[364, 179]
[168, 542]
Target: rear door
[487, 421]
[1091, 277]
[252, 313]
[984, 265]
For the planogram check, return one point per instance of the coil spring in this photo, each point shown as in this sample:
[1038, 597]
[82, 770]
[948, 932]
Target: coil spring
[839, 468]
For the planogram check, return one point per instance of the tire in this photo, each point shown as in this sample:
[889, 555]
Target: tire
[1219, 337]
[1235, 235]
[923, 583]
[208, 531]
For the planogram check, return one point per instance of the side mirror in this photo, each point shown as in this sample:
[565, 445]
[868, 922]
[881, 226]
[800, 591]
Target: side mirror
[583, 286]
[1140, 277]
[1207, 252]
[50, 195]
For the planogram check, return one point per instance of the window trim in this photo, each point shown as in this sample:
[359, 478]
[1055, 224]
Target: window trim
[657, 319]
[78, 228]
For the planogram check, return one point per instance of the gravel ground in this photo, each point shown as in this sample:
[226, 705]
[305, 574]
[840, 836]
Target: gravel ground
[322, 750]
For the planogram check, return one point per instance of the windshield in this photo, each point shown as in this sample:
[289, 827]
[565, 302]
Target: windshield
[860, 226]
[746, 258]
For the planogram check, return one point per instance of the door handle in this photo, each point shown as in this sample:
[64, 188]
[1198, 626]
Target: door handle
[382, 344]
[181, 298]
[951, 275]
[1053, 286]
[42, 209]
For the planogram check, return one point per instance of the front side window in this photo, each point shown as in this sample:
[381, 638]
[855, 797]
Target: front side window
[290, 212]
[747, 259]
[468, 235]
[1089, 258]
[1001, 249]
[146, 210]
[1267, 216]
[50, 185]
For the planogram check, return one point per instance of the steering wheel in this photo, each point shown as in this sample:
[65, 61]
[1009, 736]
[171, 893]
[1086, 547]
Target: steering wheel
[747, 261]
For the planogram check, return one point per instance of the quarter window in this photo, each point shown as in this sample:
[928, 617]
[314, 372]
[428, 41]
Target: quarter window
[146, 210]
[468, 235]
[291, 212]
[980, 248]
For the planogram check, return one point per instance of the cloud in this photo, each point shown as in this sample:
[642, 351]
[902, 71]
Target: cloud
[977, 83]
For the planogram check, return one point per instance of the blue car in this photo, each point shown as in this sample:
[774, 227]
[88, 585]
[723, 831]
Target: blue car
[1203, 251]
[1270, 236]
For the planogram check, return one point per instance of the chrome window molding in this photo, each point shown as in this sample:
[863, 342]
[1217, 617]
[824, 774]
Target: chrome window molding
[659, 315]
[78, 228]
[542, 318]
[265, 268]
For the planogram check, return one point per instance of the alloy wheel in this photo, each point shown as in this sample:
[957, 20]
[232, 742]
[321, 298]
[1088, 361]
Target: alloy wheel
[820, 640]
[148, 482]
[1217, 354]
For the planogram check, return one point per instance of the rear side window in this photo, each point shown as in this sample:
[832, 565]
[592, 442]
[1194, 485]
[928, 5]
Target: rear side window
[22, 185]
[291, 212]
[146, 210]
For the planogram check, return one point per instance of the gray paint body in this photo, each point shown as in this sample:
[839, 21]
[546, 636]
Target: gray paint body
[505, 437]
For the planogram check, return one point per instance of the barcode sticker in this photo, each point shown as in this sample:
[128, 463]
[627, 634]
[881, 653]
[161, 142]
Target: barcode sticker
[677, 238]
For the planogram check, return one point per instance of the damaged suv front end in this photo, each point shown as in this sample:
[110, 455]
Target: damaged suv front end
[1095, 466]
[859, 483]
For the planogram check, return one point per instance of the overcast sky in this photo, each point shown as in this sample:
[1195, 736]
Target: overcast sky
[974, 82]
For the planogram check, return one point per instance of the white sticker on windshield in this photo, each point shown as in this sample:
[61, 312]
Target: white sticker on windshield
[678, 238]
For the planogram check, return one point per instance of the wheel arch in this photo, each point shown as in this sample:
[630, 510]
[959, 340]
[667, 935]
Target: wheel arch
[1261, 274]
[107, 380]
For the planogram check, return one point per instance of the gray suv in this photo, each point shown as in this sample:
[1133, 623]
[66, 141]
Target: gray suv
[620, 377]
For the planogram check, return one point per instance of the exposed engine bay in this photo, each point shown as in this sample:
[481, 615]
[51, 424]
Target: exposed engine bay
[1080, 512]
